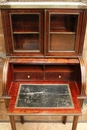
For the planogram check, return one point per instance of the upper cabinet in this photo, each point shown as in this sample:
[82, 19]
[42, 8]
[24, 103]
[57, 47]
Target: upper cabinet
[44, 33]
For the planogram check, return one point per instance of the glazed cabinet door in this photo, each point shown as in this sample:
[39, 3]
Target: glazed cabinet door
[39, 32]
[63, 32]
[24, 32]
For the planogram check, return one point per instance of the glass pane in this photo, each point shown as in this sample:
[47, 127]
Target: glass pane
[63, 29]
[26, 41]
[62, 42]
[25, 22]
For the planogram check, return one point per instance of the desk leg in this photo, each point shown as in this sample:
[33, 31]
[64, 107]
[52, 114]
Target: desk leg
[22, 119]
[75, 121]
[12, 121]
[64, 119]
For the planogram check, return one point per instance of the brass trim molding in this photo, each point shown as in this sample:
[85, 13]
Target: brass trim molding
[69, 4]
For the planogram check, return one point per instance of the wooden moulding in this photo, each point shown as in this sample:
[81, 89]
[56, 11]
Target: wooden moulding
[83, 82]
[4, 79]
[28, 60]
[4, 83]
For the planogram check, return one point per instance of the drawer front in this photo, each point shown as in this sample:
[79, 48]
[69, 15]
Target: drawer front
[28, 76]
[59, 76]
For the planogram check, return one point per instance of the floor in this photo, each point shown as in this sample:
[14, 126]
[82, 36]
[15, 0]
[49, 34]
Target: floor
[43, 126]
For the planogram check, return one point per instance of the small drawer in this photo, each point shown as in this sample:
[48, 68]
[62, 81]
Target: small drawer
[28, 76]
[59, 76]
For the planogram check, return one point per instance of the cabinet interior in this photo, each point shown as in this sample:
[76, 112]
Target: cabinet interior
[26, 72]
[63, 28]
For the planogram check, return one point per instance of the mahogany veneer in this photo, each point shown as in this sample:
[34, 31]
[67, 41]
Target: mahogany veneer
[44, 46]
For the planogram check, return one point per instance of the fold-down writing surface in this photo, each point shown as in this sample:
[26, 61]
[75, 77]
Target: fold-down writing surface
[44, 96]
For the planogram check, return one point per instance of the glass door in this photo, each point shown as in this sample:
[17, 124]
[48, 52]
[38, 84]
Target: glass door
[25, 29]
[62, 33]
[26, 32]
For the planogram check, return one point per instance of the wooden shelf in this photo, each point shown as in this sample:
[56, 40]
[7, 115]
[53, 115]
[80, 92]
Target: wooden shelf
[70, 33]
[58, 68]
[28, 68]
[25, 32]
[46, 68]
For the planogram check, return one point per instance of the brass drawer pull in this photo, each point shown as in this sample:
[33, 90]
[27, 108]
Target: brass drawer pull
[28, 76]
[60, 76]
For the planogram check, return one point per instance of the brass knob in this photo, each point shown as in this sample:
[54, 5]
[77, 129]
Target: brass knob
[28, 76]
[59, 76]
